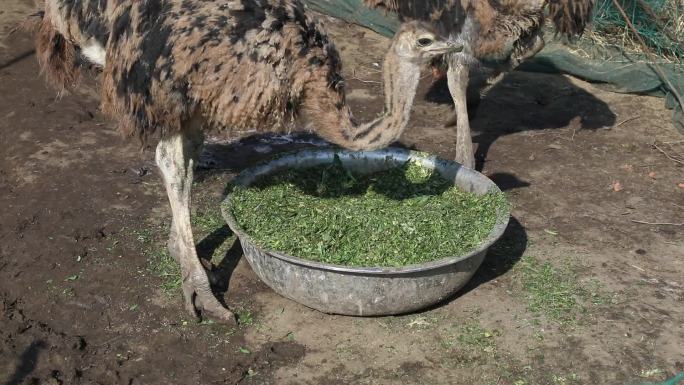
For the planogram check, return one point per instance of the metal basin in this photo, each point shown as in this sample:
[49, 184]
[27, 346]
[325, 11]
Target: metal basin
[365, 291]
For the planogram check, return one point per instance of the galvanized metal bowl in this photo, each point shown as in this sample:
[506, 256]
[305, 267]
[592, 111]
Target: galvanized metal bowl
[365, 291]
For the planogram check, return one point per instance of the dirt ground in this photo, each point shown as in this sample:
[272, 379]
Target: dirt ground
[576, 292]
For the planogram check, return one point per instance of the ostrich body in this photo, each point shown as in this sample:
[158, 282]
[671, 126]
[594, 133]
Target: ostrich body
[497, 36]
[173, 70]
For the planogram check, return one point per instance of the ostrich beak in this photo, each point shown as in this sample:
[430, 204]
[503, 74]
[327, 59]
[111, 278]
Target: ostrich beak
[446, 47]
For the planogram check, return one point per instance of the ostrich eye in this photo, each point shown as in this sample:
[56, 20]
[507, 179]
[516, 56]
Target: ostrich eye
[424, 42]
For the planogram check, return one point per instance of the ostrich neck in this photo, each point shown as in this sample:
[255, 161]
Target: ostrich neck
[400, 81]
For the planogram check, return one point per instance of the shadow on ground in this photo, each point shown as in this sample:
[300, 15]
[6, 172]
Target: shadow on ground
[17, 59]
[220, 274]
[514, 106]
[501, 257]
[27, 363]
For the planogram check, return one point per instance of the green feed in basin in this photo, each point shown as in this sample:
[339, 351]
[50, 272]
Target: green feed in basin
[397, 217]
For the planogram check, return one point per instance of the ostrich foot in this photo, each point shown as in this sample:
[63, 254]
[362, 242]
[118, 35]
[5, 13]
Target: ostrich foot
[200, 302]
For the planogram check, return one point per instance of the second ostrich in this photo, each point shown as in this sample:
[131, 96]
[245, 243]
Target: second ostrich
[171, 70]
[497, 36]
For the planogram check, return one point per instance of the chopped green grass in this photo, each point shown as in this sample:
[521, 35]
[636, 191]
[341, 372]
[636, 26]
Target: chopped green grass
[402, 216]
[206, 222]
[557, 291]
[551, 290]
[474, 335]
[163, 266]
[245, 317]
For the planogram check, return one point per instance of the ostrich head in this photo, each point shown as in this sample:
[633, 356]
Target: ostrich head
[414, 45]
[417, 41]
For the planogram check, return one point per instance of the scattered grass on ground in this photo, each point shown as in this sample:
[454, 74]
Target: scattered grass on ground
[550, 290]
[397, 217]
[245, 317]
[470, 345]
[556, 291]
[475, 336]
[152, 239]
[163, 266]
[566, 379]
[469, 335]
[55, 290]
[160, 264]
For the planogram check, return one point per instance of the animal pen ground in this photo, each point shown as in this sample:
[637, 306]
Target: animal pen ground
[585, 287]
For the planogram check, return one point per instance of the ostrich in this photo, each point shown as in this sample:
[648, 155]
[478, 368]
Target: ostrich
[497, 36]
[173, 70]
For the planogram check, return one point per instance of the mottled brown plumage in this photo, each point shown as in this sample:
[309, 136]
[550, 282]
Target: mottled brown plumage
[173, 70]
[58, 58]
[245, 66]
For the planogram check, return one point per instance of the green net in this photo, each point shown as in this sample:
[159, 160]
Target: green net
[609, 55]
[678, 379]
[659, 22]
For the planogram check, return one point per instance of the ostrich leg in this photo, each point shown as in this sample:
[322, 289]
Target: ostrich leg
[457, 77]
[176, 157]
[458, 83]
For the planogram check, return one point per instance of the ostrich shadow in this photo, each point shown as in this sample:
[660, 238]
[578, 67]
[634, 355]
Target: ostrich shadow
[17, 59]
[27, 363]
[524, 101]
